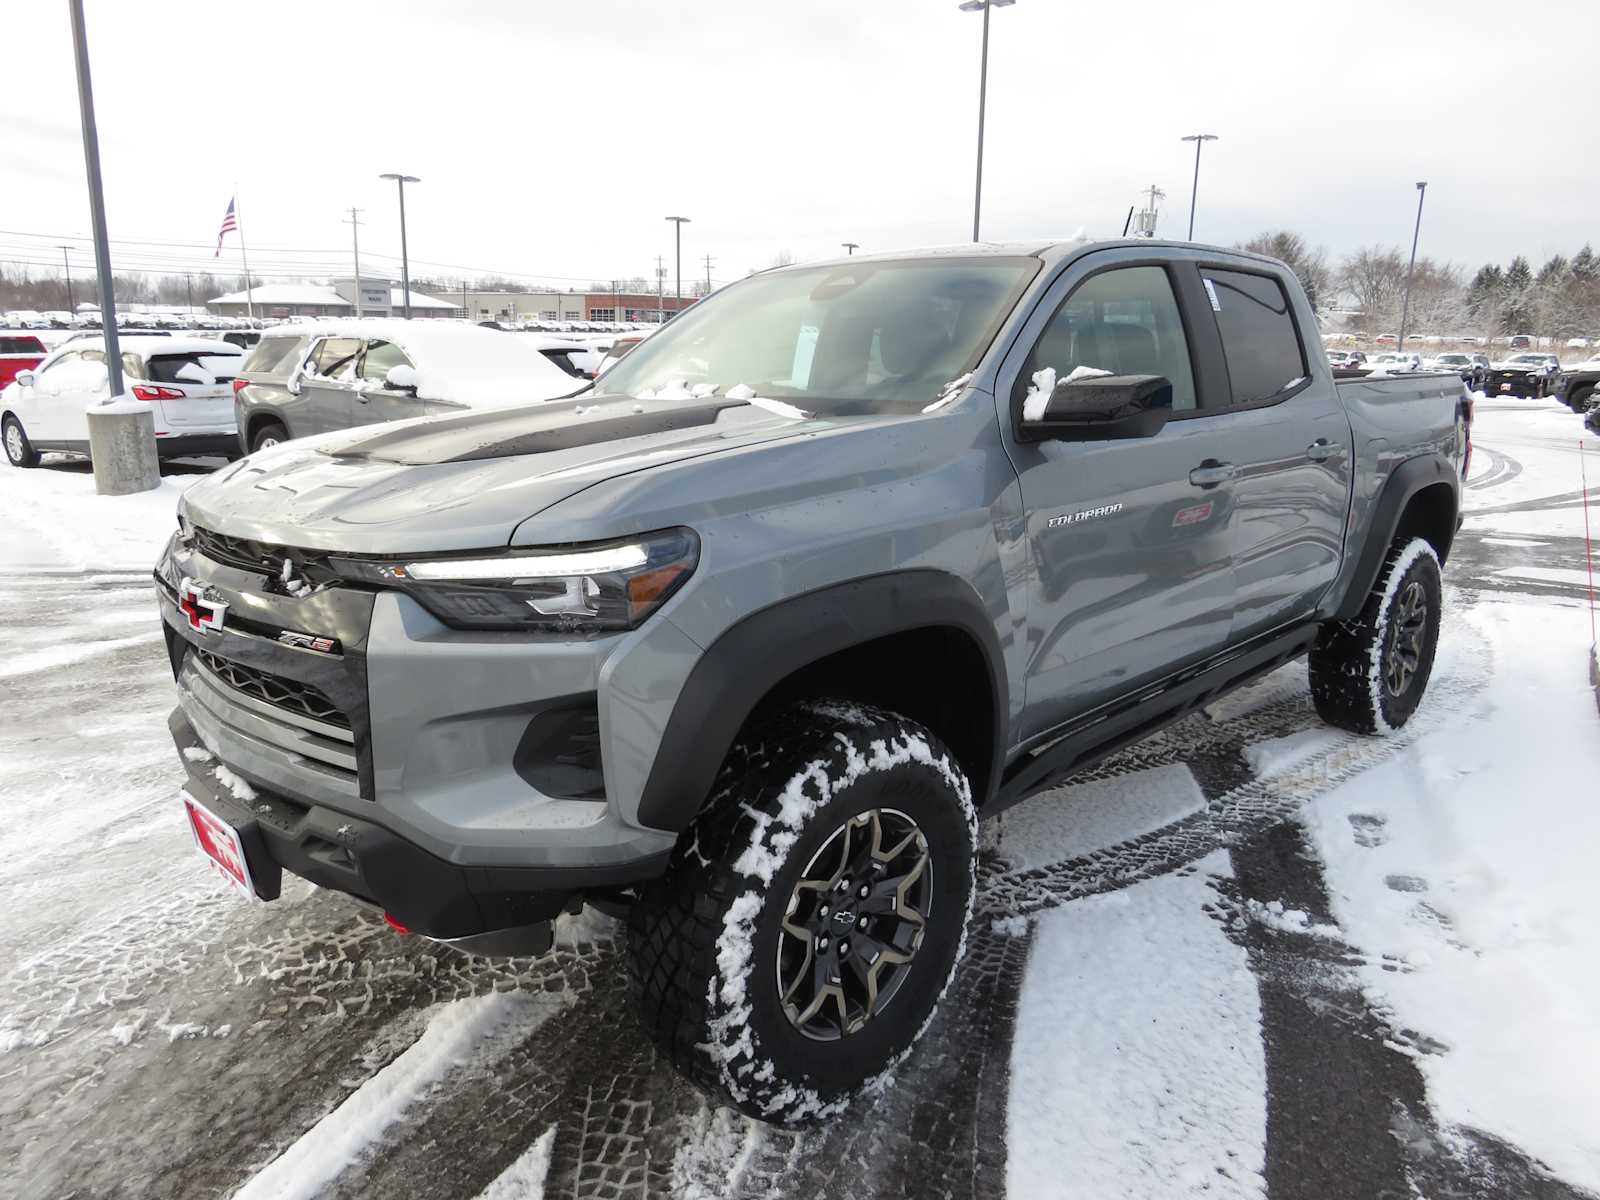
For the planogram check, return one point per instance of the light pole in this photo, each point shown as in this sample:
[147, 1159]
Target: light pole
[405, 264]
[97, 202]
[1199, 139]
[72, 306]
[850, 247]
[1405, 305]
[355, 241]
[983, 87]
[677, 234]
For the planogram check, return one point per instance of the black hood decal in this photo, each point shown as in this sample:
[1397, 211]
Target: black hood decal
[536, 429]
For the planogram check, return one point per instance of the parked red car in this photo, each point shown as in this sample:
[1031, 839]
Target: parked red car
[18, 353]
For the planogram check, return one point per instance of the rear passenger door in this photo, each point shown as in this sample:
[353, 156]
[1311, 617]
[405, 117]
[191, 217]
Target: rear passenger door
[375, 400]
[1289, 449]
[328, 388]
[1129, 540]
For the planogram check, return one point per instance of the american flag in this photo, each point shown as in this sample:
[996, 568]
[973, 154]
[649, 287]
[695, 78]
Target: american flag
[229, 221]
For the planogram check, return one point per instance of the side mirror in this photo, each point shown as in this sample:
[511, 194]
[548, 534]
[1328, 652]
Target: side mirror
[402, 378]
[25, 378]
[1101, 408]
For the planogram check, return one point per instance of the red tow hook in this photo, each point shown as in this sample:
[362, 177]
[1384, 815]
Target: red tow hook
[393, 924]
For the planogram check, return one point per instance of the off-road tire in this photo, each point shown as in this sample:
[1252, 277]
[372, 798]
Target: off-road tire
[1579, 397]
[19, 450]
[271, 429]
[1351, 660]
[704, 939]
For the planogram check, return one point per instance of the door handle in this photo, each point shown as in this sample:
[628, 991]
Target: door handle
[363, 398]
[1211, 473]
[1322, 450]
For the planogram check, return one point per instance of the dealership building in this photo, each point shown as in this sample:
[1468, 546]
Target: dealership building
[564, 306]
[378, 298]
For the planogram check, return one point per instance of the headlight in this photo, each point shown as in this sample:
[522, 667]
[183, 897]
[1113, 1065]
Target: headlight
[569, 589]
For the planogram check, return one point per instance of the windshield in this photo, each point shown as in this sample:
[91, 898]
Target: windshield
[1527, 358]
[1453, 359]
[878, 337]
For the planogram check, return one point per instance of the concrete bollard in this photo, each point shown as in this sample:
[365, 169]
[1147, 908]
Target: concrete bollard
[122, 445]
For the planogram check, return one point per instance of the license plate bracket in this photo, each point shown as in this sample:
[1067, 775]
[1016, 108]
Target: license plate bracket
[219, 842]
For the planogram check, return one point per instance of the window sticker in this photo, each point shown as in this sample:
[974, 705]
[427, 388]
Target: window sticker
[1216, 305]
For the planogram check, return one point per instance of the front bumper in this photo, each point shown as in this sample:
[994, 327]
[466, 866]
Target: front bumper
[482, 909]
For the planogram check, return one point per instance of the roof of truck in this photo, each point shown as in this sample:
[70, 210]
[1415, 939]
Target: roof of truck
[1049, 251]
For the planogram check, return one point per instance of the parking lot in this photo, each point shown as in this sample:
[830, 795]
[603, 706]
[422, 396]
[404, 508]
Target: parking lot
[1249, 956]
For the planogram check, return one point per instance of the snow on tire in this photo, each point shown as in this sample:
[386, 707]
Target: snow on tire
[1369, 674]
[812, 916]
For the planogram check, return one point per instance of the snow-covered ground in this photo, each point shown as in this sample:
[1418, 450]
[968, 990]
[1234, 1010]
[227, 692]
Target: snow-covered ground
[1251, 956]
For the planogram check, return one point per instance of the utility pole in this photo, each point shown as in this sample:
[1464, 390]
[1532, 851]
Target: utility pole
[355, 244]
[1199, 139]
[678, 238]
[465, 311]
[661, 290]
[983, 93]
[405, 258]
[188, 294]
[97, 202]
[72, 306]
[708, 274]
[850, 247]
[1405, 306]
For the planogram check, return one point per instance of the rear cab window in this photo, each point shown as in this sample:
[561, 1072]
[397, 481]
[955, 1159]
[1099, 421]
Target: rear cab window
[1260, 341]
[30, 346]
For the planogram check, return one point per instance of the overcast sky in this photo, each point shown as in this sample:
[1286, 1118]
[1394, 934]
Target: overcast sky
[552, 139]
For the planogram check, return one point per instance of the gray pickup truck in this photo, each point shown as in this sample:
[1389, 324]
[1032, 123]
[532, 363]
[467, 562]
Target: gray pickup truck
[740, 643]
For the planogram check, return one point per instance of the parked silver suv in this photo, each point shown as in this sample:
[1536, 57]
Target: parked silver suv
[307, 379]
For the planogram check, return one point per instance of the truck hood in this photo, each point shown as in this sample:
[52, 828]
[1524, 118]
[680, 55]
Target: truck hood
[462, 482]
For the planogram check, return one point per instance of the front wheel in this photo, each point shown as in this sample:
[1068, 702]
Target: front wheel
[19, 450]
[1368, 674]
[812, 915]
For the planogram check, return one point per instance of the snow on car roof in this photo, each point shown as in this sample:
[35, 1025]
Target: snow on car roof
[171, 345]
[457, 361]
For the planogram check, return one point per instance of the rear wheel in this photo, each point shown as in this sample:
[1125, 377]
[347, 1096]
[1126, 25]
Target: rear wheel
[19, 450]
[267, 435]
[812, 915]
[1368, 674]
[1579, 397]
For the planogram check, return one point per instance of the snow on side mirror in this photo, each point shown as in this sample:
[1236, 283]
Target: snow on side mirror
[402, 378]
[24, 378]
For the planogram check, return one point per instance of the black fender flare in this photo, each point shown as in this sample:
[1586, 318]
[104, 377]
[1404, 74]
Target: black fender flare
[758, 652]
[1404, 482]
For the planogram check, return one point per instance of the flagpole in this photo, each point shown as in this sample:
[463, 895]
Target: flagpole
[249, 297]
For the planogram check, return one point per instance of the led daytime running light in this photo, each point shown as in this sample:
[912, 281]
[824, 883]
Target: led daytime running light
[541, 566]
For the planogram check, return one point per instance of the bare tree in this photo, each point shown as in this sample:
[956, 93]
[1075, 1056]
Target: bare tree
[1375, 276]
[1310, 266]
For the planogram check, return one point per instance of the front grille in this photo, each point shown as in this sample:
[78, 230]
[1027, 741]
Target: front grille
[262, 558]
[282, 693]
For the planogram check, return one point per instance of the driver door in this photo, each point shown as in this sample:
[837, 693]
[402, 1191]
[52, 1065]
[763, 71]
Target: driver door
[328, 385]
[1129, 540]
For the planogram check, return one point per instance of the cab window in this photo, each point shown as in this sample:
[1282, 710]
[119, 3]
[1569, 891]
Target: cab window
[380, 358]
[1125, 322]
[1259, 341]
[335, 358]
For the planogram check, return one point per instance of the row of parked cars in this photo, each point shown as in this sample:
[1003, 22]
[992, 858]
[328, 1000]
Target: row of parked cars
[1532, 373]
[211, 396]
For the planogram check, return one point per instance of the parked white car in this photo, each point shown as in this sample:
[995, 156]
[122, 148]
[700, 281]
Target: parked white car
[186, 381]
[1393, 361]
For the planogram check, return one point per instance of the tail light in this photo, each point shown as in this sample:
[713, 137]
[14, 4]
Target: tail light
[239, 385]
[144, 391]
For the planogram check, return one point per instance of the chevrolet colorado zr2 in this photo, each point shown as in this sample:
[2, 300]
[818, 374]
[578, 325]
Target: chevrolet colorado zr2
[741, 642]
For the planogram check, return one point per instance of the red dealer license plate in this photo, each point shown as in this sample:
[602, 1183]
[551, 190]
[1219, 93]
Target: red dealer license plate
[220, 843]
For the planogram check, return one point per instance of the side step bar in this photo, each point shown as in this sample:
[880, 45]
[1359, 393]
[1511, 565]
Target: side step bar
[1089, 739]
